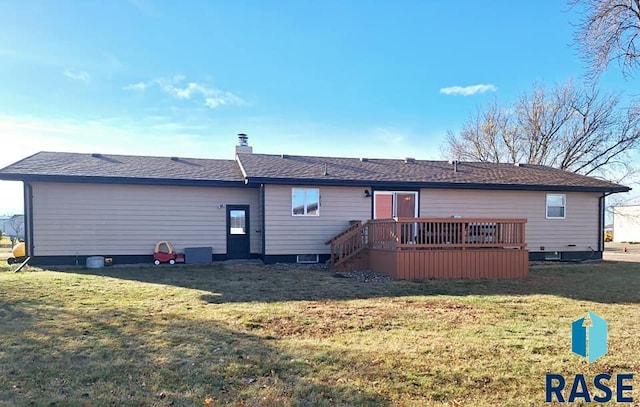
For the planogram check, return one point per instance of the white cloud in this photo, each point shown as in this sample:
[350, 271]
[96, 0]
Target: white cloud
[186, 92]
[212, 97]
[214, 102]
[468, 90]
[77, 75]
[140, 86]
[224, 98]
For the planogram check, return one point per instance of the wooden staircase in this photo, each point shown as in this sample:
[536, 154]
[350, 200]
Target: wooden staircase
[349, 248]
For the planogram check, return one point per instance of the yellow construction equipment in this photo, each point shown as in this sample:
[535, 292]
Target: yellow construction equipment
[19, 253]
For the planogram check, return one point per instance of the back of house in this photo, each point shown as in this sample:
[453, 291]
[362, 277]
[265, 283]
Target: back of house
[283, 208]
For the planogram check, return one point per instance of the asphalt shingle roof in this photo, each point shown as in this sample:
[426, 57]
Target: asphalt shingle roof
[267, 168]
[124, 166]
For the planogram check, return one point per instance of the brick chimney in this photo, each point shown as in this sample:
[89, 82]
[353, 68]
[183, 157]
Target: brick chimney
[243, 146]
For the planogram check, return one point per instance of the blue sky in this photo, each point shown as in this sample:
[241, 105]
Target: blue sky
[356, 78]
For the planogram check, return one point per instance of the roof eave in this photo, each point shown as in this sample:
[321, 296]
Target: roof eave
[418, 184]
[255, 181]
[117, 180]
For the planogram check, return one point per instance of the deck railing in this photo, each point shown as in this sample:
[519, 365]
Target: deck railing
[423, 248]
[447, 233]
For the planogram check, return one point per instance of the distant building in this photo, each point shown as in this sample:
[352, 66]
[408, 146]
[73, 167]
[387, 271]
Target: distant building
[9, 226]
[2, 220]
[626, 222]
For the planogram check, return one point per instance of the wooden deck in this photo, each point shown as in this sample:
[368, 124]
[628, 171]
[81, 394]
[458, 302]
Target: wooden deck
[435, 248]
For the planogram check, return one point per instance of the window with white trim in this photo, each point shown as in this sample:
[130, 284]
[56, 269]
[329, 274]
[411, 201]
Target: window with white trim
[556, 206]
[305, 201]
[307, 258]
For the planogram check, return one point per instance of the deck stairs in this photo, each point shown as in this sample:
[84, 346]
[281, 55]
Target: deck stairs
[349, 248]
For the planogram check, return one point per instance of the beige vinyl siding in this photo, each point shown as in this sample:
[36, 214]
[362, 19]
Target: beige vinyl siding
[580, 228]
[87, 219]
[287, 234]
[626, 223]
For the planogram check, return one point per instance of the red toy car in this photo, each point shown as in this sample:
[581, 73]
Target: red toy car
[164, 253]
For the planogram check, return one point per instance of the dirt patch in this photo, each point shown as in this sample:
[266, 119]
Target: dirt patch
[323, 319]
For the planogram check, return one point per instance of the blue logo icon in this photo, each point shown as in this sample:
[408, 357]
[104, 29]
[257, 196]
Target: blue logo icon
[589, 340]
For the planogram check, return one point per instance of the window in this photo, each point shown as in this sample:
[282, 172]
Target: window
[552, 256]
[237, 222]
[305, 201]
[556, 206]
[308, 258]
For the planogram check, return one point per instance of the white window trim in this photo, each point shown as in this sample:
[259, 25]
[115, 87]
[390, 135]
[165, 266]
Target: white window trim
[315, 261]
[394, 208]
[305, 201]
[546, 210]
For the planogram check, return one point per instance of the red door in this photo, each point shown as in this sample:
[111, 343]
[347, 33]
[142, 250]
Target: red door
[383, 206]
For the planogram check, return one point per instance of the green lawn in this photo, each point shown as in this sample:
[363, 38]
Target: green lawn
[272, 336]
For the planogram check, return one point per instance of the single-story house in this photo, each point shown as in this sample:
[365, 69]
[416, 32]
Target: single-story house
[626, 222]
[13, 226]
[283, 208]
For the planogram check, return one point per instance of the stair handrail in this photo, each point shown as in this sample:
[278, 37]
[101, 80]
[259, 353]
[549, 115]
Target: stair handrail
[353, 226]
[340, 252]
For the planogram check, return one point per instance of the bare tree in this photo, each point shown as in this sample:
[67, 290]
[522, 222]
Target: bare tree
[540, 117]
[487, 136]
[608, 31]
[579, 130]
[17, 224]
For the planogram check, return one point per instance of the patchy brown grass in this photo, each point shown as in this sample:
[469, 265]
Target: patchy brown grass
[273, 336]
[323, 319]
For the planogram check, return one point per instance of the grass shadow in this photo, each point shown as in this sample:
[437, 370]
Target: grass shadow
[604, 282]
[56, 356]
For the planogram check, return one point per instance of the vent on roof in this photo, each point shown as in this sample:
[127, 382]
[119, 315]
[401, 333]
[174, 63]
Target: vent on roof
[96, 155]
[519, 164]
[284, 155]
[408, 160]
[364, 159]
[175, 159]
[455, 165]
[243, 146]
[326, 169]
